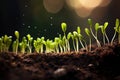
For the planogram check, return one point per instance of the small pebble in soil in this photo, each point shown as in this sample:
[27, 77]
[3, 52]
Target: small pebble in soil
[60, 72]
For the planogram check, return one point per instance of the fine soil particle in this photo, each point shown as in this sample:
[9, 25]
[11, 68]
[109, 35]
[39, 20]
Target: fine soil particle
[101, 63]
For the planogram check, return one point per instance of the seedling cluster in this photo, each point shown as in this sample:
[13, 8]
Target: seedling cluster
[60, 44]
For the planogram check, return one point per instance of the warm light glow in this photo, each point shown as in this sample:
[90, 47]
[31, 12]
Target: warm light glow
[83, 12]
[90, 3]
[105, 3]
[74, 3]
[53, 6]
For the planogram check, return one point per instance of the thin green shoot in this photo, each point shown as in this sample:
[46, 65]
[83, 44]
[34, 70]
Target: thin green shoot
[29, 44]
[16, 43]
[103, 29]
[75, 36]
[80, 37]
[23, 45]
[96, 29]
[87, 31]
[117, 23]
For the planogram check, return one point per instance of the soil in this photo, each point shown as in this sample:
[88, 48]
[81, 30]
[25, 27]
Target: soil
[101, 63]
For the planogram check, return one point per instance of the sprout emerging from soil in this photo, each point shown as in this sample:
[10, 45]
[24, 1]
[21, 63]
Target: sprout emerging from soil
[38, 44]
[16, 42]
[68, 38]
[87, 31]
[117, 30]
[75, 37]
[23, 45]
[96, 30]
[81, 37]
[103, 29]
[5, 42]
[50, 46]
[29, 44]
[60, 44]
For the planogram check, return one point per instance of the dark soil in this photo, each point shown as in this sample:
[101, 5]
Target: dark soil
[100, 64]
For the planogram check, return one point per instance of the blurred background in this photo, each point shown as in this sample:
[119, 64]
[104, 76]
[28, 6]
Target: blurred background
[43, 17]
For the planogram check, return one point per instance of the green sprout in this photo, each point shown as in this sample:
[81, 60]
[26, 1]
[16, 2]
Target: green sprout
[81, 37]
[60, 43]
[29, 44]
[97, 27]
[23, 45]
[75, 41]
[5, 42]
[64, 39]
[87, 31]
[68, 38]
[50, 46]
[103, 29]
[16, 42]
[64, 27]
[38, 44]
[116, 28]
[96, 30]
[57, 41]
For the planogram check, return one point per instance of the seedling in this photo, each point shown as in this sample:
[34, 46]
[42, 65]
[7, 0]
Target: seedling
[56, 40]
[87, 31]
[96, 29]
[64, 39]
[117, 30]
[38, 44]
[16, 42]
[103, 29]
[68, 38]
[23, 45]
[80, 37]
[60, 44]
[50, 46]
[29, 43]
[5, 42]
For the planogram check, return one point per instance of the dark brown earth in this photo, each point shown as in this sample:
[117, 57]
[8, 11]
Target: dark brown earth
[100, 64]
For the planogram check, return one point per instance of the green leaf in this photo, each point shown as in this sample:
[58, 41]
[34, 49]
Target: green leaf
[29, 37]
[69, 35]
[90, 22]
[64, 26]
[117, 23]
[105, 25]
[87, 31]
[17, 34]
[75, 34]
[97, 26]
[78, 30]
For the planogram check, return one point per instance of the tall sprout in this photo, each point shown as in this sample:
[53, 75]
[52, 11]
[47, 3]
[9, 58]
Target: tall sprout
[16, 42]
[103, 29]
[38, 44]
[116, 28]
[68, 38]
[96, 29]
[64, 39]
[29, 44]
[81, 37]
[23, 45]
[87, 31]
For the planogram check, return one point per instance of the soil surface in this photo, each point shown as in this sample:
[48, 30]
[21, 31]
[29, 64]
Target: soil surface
[100, 64]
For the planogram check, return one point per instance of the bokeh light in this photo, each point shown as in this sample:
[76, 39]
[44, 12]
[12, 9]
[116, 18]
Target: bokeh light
[83, 12]
[90, 3]
[84, 8]
[105, 3]
[53, 6]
